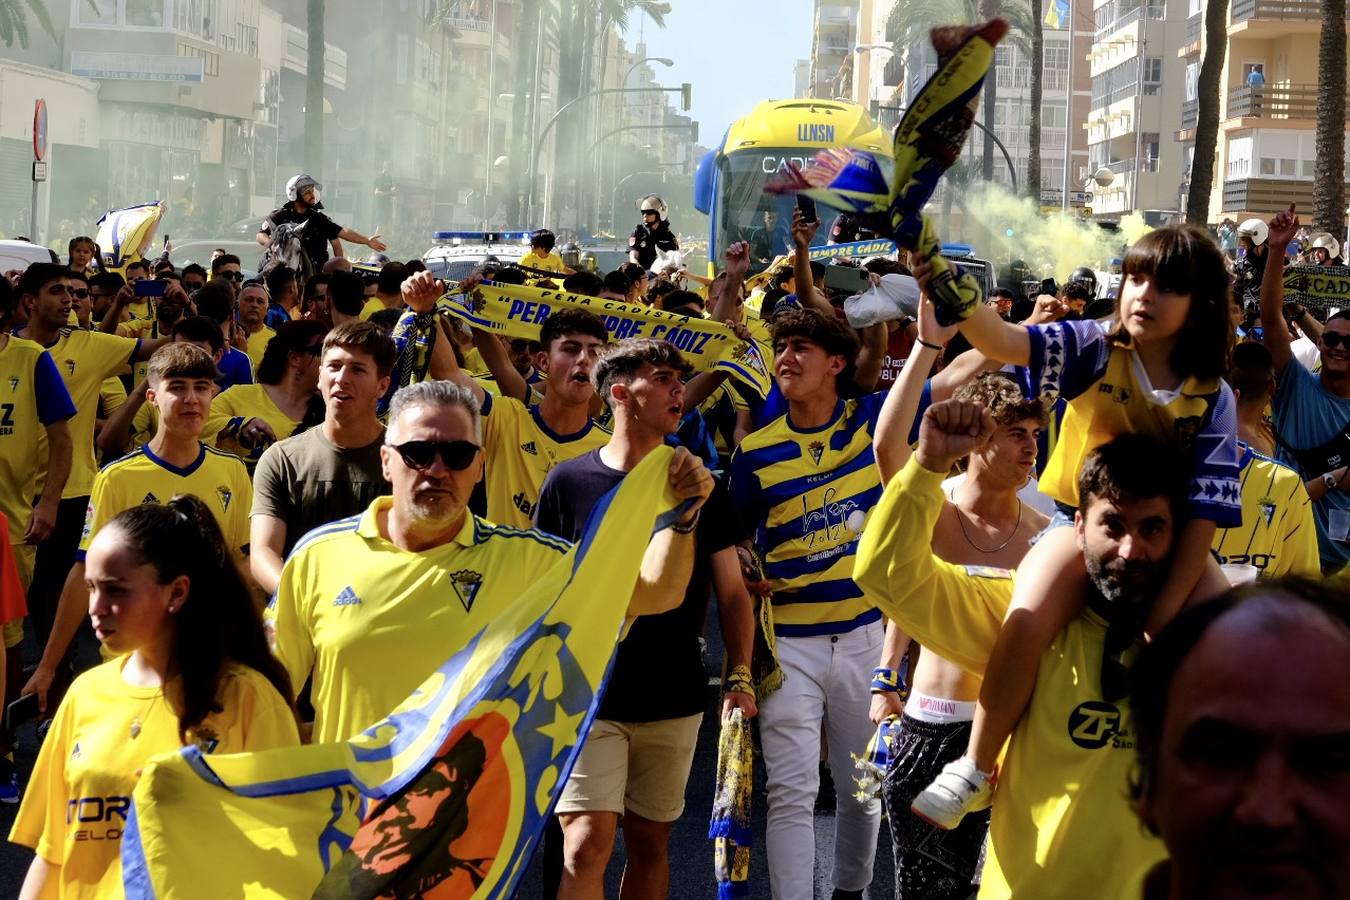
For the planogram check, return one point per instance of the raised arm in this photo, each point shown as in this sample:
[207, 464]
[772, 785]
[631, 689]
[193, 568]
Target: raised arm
[669, 560]
[985, 329]
[802, 233]
[420, 293]
[499, 364]
[356, 237]
[1275, 331]
[890, 441]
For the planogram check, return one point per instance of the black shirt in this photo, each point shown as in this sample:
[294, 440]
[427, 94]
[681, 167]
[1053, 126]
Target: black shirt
[658, 672]
[318, 233]
[646, 241]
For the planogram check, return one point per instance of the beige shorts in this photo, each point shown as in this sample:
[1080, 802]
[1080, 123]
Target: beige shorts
[639, 767]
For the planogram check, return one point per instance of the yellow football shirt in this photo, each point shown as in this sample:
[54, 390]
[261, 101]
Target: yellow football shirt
[143, 330]
[232, 408]
[806, 495]
[521, 450]
[549, 262]
[370, 621]
[256, 344]
[218, 478]
[76, 805]
[1062, 824]
[373, 305]
[85, 359]
[1278, 534]
[32, 395]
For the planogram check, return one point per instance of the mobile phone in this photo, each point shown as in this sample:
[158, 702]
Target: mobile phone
[1048, 286]
[25, 709]
[808, 208]
[847, 278]
[150, 287]
[166, 240]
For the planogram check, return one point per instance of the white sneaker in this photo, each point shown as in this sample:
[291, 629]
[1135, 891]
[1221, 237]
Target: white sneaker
[959, 789]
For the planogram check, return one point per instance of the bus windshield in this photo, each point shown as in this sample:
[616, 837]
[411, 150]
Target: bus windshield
[743, 212]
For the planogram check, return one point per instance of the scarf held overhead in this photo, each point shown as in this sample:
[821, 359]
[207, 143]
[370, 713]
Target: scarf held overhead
[519, 312]
[444, 798]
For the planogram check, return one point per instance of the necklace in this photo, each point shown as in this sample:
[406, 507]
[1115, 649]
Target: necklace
[136, 722]
[960, 520]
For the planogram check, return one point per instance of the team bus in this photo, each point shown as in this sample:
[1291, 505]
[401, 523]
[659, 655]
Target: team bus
[729, 182]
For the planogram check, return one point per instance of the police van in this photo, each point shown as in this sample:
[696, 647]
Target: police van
[454, 255]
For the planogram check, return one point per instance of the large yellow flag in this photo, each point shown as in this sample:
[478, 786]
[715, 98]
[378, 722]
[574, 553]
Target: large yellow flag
[445, 798]
[124, 235]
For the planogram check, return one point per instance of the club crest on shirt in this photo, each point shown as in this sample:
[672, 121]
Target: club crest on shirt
[466, 583]
[225, 495]
[816, 449]
[13, 383]
[70, 365]
[75, 751]
[1267, 509]
[205, 739]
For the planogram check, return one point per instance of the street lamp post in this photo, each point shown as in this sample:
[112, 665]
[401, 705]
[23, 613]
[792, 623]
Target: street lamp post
[664, 61]
[684, 89]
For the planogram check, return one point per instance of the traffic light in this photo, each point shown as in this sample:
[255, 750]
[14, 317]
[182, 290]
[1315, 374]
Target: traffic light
[686, 96]
[1010, 232]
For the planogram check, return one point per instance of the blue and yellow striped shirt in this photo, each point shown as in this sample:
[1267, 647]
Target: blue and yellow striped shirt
[806, 495]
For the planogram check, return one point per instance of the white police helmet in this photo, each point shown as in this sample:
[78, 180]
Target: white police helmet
[653, 203]
[1255, 229]
[297, 185]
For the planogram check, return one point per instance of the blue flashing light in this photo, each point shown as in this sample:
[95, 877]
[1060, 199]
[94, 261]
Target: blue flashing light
[957, 250]
[486, 237]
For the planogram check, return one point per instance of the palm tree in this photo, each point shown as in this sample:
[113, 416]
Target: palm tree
[14, 21]
[1208, 93]
[1329, 171]
[912, 21]
[314, 76]
[1037, 90]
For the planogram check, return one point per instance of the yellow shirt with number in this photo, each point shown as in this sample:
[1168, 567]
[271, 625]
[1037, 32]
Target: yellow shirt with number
[370, 622]
[219, 479]
[85, 360]
[32, 396]
[1062, 824]
[521, 450]
[76, 805]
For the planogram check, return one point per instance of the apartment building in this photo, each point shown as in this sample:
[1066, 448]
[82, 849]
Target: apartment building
[1267, 124]
[1135, 109]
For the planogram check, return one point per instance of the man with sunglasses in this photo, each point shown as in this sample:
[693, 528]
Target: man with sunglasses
[227, 268]
[1062, 825]
[1311, 411]
[84, 359]
[369, 606]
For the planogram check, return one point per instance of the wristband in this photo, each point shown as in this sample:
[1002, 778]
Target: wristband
[739, 680]
[689, 528]
[885, 681]
[922, 343]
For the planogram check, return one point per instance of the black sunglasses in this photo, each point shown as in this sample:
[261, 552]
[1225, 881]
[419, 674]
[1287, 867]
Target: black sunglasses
[233, 276]
[1334, 339]
[80, 293]
[456, 455]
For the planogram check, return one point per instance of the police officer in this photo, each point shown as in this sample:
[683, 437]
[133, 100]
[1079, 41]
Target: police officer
[652, 235]
[302, 207]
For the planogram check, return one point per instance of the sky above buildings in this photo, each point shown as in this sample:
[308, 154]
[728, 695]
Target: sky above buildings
[734, 52]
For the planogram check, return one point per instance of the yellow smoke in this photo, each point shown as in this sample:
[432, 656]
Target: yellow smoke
[1052, 244]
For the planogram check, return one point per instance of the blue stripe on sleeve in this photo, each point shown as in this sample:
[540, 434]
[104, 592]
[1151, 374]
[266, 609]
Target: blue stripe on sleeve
[53, 399]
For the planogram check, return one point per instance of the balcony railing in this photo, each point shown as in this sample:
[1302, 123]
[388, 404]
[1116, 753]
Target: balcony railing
[1190, 113]
[1195, 26]
[1279, 10]
[1291, 101]
[1267, 195]
[1128, 167]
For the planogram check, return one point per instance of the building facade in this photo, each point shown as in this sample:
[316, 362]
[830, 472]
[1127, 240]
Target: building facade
[1267, 123]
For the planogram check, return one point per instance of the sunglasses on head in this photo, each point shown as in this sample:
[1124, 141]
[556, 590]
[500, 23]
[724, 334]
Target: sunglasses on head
[1334, 339]
[456, 455]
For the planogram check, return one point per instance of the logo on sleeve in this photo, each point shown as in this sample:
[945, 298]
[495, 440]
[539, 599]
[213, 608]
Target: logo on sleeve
[347, 597]
[466, 584]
